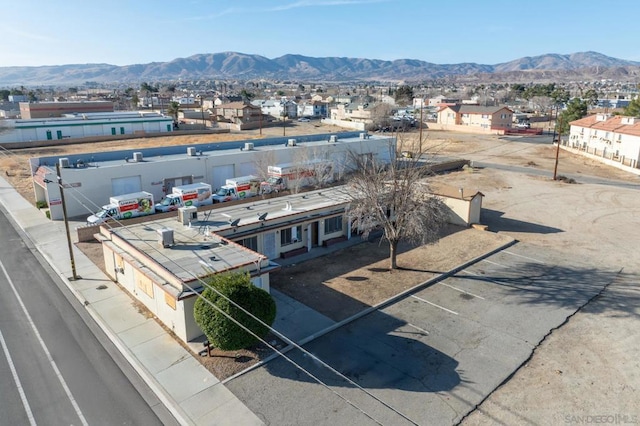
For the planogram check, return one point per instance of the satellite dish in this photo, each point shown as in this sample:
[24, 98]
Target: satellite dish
[263, 216]
[235, 223]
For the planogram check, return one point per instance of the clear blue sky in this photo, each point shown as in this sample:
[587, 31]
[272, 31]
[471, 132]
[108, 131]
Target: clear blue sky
[123, 32]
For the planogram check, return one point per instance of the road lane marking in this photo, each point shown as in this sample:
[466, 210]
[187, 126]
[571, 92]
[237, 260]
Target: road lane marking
[418, 328]
[45, 350]
[433, 304]
[524, 257]
[14, 373]
[462, 291]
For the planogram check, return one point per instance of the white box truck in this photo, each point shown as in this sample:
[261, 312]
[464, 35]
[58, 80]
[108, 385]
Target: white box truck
[195, 194]
[296, 175]
[237, 188]
[124, 207]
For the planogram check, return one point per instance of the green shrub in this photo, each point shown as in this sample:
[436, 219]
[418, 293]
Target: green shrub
[221, 331]
[41, 204]
[48, 214]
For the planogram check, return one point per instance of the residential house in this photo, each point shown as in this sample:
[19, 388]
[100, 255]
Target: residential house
[242, 115]
[279, 108]
[360, 113]
[312, 109]
[614, 140]
[487, 119]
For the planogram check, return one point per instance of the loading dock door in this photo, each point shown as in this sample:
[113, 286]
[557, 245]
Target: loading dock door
[221, 174]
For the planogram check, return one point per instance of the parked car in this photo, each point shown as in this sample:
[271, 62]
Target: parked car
[304, 120]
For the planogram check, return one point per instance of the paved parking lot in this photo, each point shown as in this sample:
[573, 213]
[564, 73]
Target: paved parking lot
[432, 357]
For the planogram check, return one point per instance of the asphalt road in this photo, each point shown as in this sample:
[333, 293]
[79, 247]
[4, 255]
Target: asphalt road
[53, 368]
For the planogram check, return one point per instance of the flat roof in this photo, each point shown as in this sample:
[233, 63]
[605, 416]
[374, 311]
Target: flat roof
[198, 250]
[195, 251]
[163, 154]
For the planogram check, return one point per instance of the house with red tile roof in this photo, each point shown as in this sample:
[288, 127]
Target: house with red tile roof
[612, 138]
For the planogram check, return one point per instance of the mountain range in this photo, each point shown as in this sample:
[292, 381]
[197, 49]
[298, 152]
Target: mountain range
[241, 66]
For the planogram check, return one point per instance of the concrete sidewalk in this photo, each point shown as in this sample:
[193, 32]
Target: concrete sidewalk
[190, 392]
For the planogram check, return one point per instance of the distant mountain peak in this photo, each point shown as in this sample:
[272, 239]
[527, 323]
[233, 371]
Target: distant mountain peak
[236, 65]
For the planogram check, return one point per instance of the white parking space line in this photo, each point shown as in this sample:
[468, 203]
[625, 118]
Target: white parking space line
[16, 379]
[422, 330]
[483, 277]
[524, 257]
[45, 350]
[433, 304]
[494, 263]
[461, 290]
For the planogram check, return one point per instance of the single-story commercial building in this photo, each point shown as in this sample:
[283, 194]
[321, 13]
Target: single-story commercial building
[73, 126]
[90, 179]
[162, 262]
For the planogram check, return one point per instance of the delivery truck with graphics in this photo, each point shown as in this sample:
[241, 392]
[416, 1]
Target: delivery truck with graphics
[124, 207]
[294, 176]
[195, 194]
[237, 189]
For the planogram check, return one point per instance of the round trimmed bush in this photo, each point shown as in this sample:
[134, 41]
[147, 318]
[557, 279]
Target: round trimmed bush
[221, 331]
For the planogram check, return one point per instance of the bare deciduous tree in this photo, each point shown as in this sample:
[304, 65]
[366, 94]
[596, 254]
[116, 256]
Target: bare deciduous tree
[394, 198]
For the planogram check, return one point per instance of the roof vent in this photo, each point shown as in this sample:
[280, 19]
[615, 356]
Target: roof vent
[191, 151]
[63, 162]
[333, 139]
[291, 142]
[137, 157]
[165, 237]
[248, 146]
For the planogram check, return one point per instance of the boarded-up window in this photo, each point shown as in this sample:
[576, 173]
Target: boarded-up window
[144, 284]
[170, 300]
[119, 263]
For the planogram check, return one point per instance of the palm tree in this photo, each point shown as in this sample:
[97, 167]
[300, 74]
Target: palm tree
[172, 110]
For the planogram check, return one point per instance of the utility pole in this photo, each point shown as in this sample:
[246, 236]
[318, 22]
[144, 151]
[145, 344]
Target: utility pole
[66, 222]
[555, 168]
[421, 109]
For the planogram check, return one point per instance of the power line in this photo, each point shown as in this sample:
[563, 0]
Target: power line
[269, 327]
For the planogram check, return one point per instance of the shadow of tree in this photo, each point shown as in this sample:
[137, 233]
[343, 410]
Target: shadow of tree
[569, 287]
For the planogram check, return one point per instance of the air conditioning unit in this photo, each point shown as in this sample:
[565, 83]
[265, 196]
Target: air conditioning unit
[186, 215]
[191, 151]
[364, 136]
[137, 157]
[165, 237]
[291, 142]
[63, 162]
[248, 146]
[333, 139]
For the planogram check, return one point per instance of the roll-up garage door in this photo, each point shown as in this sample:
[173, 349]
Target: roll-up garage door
[221, 174]
[126, 185]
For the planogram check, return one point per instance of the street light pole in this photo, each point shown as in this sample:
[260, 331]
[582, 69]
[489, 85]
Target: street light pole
[66, 222]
